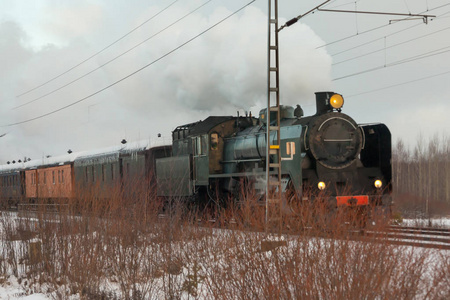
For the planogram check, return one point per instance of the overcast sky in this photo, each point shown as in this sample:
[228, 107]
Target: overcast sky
[397, 73]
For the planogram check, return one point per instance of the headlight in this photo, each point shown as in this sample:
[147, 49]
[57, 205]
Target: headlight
[321, 185]
[336, 101]
[378, 183]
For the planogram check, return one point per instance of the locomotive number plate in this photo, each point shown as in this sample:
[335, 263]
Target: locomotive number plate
[352, 200]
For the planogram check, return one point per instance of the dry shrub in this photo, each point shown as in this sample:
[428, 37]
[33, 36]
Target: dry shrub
[121, 247]
[310, 267]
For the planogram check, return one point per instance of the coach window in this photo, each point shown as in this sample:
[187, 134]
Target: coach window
[214, 142]
[112, 172]
[53, 177]
[45, 178]
[93, 174]
[59, 176]
[62, 176]
[86, 173]
[103, 173]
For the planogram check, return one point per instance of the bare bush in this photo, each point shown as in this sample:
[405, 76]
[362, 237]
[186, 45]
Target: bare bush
[135, 246]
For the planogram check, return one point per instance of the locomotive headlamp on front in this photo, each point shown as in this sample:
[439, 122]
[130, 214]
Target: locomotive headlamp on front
[336, 101]
[378, 183]
[321, 185]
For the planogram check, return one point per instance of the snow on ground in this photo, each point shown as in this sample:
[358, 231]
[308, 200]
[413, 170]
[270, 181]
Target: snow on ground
[433, 222]
[11, 288]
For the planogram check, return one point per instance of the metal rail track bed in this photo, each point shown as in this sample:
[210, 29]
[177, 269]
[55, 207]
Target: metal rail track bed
[433, 238]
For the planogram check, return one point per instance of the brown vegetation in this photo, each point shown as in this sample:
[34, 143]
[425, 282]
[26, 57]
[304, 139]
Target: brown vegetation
[124, 248]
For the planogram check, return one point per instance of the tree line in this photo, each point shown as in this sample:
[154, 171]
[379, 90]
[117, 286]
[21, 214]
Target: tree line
[421, 176]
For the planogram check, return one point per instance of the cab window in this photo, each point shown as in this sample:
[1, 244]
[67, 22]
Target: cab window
[214, 141]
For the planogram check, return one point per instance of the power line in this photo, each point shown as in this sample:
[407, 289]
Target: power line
[340, 5]
[392, 46]
[111, 60]
[399, 84]
[133, 73]
[98, 52]
[410, 59]
[369, 42]
[439, 17]
[370, 30]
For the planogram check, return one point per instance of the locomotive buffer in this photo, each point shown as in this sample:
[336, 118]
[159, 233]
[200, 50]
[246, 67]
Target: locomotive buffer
[273, 153]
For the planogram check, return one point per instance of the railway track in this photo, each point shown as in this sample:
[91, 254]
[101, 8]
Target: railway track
[433, 238]
[425, 237]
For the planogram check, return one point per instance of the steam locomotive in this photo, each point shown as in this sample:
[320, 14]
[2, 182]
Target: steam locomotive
[327, 154]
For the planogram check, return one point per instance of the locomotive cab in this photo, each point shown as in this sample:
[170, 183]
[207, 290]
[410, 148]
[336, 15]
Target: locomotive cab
[198, 154]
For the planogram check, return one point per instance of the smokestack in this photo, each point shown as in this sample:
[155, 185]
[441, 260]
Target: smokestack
[323, 102]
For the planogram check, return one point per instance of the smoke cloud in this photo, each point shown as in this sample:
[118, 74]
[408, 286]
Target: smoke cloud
[222, 71]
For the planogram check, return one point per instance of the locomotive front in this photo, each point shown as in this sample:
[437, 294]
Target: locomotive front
[344, 161]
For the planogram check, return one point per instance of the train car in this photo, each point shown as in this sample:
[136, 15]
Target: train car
[98, 173]
[11, 187]
[121, 170]
[124, 171]
[49, 183]
[327, 154]
[138, 165]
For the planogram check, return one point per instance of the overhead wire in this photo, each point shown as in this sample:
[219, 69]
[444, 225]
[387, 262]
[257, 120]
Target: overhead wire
[398, 84]
[410, 59]
[407, 6]
[439, 17]
[134, 72]
[372, 29]
[114, 58]
[392, 46]
[340, 5]
[98, 52]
